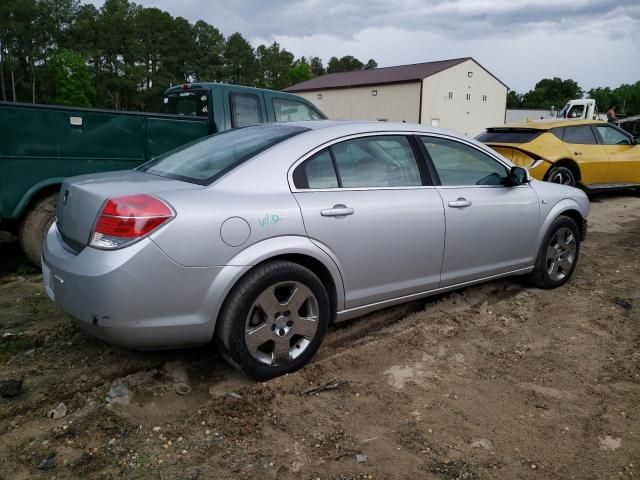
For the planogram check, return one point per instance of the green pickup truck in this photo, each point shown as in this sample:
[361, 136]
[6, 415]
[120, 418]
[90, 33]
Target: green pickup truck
[42, 145]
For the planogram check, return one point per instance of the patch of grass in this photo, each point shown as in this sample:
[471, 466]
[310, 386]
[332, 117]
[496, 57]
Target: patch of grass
[26, 269]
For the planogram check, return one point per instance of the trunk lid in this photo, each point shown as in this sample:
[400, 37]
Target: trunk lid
[81, 199]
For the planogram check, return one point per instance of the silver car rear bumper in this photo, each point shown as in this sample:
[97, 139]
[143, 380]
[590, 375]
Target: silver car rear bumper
[136, 297]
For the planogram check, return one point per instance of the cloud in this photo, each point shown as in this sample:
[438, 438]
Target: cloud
[591, 57]
[521, 41]
[257, 18]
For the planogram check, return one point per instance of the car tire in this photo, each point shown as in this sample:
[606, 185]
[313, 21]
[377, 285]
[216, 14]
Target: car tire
[561, 175]
[558, 255]
[35, 225]
[274, 320]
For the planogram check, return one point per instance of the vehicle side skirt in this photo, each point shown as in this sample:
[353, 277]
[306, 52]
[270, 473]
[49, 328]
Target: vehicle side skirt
[358, 311]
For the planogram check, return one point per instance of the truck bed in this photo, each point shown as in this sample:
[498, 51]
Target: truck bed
[41, 145]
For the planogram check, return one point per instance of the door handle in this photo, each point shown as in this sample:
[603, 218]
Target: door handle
[577, 153]
[337, 211]
[460, 203]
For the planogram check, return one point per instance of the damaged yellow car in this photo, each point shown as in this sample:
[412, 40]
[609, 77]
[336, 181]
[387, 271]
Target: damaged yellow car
[593, 154]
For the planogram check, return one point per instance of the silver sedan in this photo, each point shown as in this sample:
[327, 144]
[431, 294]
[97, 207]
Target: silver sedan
[260, 237]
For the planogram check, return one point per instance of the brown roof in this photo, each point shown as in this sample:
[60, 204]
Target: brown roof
[377, 76]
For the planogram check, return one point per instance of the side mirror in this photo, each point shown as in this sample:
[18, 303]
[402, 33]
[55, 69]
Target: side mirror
[517, 176]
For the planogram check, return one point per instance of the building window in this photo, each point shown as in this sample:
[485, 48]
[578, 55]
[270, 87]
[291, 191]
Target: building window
[374, 93]
[469, 74]
[450, 95]
[435, 122]
[319, 96]
[468, 96]
[484, 99]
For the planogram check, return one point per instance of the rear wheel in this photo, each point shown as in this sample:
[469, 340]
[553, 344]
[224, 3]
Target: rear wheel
[558, 254]
[562, 175]
[274, 320]
[35, 225]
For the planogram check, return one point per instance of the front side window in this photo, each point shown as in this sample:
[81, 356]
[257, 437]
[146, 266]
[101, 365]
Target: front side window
[611, 136]
[287, 110]
[582, 135]
[459, 164]
[380, 161]
[577, 111]
[207, 159]
[245, 110]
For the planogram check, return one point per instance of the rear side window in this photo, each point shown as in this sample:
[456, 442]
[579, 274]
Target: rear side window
[558, 132]
[287, 110]
[581, 134]
[495, 135]
[317, 172]
[245, 110]
[376, 161]
[207, 159]
[384, 161]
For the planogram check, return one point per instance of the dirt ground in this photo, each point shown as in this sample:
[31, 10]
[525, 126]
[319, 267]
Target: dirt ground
[495, 381]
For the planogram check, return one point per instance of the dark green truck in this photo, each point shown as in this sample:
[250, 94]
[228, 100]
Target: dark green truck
[41, 145]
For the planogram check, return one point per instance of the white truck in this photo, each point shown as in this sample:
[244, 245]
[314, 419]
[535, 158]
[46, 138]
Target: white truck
[581, 109]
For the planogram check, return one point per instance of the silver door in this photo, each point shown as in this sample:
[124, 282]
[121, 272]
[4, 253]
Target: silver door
[491, 228]
[384, 228]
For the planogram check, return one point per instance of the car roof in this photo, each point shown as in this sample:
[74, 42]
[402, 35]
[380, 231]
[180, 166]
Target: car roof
[355, 126]
[547, 124]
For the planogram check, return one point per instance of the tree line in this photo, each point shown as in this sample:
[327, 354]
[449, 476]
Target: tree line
[123, 55]
[555, 92]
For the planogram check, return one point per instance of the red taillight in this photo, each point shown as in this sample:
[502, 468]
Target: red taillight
[124, 220]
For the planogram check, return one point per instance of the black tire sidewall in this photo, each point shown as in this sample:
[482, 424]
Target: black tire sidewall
[563, 170]
[541, 269]
[34, 227]
[236, 310]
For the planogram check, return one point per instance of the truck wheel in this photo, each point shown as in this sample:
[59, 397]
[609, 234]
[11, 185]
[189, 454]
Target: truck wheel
[34, 226]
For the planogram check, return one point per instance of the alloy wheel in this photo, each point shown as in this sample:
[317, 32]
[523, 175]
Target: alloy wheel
[562, 178]
[561, 254]
[281, 323]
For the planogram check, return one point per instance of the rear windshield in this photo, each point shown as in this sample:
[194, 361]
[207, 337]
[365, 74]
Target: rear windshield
[494, 135]
[207, 159]
[192, 103]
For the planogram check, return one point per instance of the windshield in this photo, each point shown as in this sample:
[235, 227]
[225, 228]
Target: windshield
[207, 159]
[563, 112]
[192, 103]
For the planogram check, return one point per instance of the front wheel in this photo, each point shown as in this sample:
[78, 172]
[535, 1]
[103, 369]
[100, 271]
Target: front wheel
[558, 254]
[274, 320]
[562, 175]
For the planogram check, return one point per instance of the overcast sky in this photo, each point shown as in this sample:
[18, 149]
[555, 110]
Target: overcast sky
[596, 42]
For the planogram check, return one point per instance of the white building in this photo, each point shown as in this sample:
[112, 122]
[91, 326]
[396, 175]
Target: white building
[458, 94]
